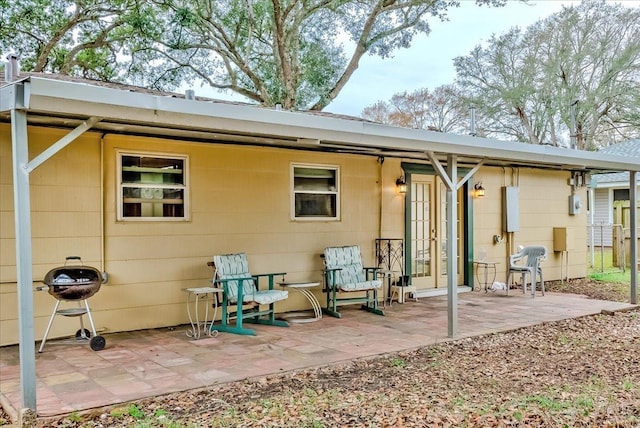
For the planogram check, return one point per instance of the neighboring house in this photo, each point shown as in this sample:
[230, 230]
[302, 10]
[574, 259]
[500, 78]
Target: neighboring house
[148, 187]
[609, 191]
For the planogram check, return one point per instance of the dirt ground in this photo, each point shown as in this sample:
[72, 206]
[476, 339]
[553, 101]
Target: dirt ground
[580, 372]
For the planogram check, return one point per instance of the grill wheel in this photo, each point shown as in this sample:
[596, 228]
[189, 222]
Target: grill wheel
[97, 343]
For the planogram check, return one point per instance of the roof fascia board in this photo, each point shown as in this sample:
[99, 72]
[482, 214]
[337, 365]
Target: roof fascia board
[76, 98]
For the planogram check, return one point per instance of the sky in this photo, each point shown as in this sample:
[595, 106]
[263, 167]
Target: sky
[428, 63]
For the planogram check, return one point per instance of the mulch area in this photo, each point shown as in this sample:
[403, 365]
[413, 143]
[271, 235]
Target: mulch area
[579, 372]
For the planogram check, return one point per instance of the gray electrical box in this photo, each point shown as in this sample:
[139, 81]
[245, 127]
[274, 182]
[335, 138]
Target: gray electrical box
[510, 209]
[575, 204]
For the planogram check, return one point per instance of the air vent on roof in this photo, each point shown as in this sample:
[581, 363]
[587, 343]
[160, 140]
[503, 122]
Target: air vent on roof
[12, 68]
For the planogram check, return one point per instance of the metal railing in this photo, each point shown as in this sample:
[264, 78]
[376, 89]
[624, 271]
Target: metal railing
[390, 258]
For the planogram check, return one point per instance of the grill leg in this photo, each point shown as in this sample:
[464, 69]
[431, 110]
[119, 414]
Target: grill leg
[46, 332]
[83, 334]
[93, 327]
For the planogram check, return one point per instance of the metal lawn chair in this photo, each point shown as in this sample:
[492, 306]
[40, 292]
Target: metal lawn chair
[527, 262]
[240, 288]
[344, 273]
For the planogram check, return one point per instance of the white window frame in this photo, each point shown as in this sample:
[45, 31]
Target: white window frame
[184, 186]
[294, 191]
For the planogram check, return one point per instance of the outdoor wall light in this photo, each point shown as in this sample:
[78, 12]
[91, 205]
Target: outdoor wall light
[478, 190]
[401, 185]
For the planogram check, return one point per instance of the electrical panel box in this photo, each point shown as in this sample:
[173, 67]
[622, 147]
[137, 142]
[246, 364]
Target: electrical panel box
[510, 209]
[562, 239]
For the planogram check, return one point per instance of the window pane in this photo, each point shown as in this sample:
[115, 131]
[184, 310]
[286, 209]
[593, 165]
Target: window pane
[137, 169]
[314, 179]
[148, 193]
[314, 205]
[621, 194]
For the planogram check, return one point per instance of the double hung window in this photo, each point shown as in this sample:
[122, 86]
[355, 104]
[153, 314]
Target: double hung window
[315, 192]
[152, 187]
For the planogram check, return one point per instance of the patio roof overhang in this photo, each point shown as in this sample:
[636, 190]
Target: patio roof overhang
[80, 106]
[65, 104]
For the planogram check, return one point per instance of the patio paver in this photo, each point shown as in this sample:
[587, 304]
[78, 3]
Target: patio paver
[140, 364]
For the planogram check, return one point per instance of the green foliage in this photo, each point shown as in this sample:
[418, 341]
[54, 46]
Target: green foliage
[547, 402]
[617, 277]
[74, 417]
[398, 362]
[135, 412]
[91, 38]
[627, 384]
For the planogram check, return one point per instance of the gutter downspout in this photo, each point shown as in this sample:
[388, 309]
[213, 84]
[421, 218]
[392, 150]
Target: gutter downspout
[102, 231]
[381, 195]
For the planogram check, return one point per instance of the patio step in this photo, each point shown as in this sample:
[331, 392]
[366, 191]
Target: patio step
[432, 292]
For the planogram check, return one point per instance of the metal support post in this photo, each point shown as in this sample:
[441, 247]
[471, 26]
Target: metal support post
[22, 213]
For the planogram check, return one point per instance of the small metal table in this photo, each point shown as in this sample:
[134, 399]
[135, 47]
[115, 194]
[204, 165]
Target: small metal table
[208, 294]
[486, 267]
[303, 288]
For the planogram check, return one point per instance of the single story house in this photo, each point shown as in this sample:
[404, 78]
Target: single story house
[609, 190]
[148, 187]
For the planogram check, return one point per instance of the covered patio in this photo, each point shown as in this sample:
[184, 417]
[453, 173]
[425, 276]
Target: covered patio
[80, 378]
[144, 363]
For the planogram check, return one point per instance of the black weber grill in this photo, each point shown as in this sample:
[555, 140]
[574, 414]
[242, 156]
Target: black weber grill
[74, 282]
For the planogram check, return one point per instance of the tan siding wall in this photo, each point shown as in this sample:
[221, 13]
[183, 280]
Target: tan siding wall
[65, 219]
[543, 201]
[240, 201]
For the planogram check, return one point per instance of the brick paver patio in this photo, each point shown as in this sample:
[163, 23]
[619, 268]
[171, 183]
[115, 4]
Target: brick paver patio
[145, 363]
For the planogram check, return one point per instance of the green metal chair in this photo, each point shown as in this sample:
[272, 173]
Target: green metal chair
[344, 273]
[241, 288]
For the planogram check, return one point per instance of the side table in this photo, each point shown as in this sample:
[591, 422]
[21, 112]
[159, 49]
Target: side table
[389, 275]
[208, 294]
[303, 316]
[486, 267]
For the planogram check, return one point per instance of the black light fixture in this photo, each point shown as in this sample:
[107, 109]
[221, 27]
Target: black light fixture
[401, 185]
[478, 190]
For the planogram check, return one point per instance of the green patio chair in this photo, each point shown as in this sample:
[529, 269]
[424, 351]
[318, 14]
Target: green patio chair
[241, 288]
[344, 273]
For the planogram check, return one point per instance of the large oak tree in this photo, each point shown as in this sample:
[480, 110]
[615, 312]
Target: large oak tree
[584, 58]
[298, 53]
